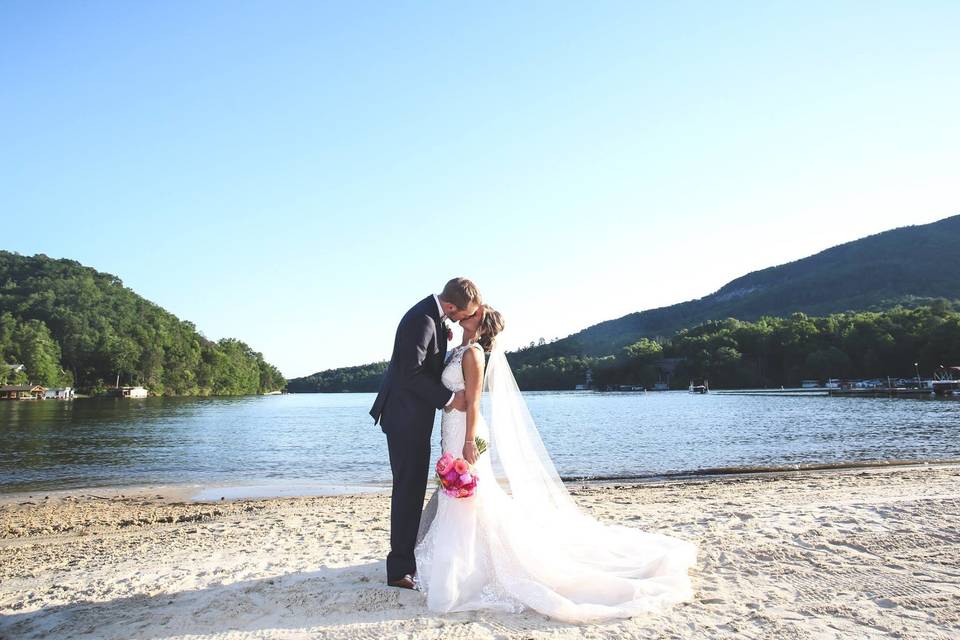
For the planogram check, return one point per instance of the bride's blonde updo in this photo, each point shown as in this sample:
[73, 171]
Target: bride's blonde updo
[491, 325]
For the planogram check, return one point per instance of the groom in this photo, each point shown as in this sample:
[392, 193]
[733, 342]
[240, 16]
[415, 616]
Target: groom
[410, 394]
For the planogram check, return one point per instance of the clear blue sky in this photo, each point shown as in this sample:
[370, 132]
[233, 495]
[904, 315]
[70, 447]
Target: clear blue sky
[296, 175]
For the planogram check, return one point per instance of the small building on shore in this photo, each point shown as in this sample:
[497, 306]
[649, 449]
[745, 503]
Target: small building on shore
[59, 393]
[22, 392]
[129, 392]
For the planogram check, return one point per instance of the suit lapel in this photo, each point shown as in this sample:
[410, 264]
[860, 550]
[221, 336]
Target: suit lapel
[442, 340]
[441, 330]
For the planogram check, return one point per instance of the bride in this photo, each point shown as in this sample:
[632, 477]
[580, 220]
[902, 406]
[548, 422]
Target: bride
[529, 546]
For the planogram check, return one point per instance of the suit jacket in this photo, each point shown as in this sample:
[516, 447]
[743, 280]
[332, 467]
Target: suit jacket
[411, 391]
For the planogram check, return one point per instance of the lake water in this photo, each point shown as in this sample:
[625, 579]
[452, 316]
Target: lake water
[303, 443]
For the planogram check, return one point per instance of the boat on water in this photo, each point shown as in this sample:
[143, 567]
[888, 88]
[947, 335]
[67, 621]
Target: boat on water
[946, 387]
[944, 383]
[699, 388]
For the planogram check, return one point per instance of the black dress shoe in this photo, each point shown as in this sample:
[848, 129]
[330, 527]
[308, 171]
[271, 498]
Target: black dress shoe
[406, 582]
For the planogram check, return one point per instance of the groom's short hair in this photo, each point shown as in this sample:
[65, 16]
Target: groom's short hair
[461, 292]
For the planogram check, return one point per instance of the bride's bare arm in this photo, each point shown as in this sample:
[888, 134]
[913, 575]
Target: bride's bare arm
[473, 379]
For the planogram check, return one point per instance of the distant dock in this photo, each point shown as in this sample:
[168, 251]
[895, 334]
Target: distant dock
[869, 392]
[894, 392]
[797, 391]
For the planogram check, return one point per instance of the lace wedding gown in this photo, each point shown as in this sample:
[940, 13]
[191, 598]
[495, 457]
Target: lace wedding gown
[497, 550]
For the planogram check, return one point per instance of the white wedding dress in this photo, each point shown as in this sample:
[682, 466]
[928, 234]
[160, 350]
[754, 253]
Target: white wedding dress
[532, 547]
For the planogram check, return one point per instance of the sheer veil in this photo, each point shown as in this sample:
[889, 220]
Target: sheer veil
[517, 451]
[584, 569]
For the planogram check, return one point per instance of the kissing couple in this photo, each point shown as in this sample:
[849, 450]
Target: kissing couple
[518, 541]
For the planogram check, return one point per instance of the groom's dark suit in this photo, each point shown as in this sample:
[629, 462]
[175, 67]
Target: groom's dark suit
[410, 394]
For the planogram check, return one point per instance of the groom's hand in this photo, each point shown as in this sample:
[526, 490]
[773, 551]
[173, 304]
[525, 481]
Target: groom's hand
[459, 402]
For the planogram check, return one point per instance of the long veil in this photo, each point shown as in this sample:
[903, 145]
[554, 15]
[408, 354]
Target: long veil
[551, 554]
[517, 451]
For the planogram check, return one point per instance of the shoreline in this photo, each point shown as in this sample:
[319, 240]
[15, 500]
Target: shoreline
[866, 553]
[239, 491]
[718, 472]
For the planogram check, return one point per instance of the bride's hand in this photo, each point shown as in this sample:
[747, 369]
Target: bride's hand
[470, 453]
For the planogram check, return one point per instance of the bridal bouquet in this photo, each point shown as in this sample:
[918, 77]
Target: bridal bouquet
[457, 477]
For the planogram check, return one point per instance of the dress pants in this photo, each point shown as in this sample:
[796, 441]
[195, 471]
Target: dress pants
[410, 463]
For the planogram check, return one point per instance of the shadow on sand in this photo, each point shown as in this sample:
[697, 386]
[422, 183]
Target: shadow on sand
[320, 603]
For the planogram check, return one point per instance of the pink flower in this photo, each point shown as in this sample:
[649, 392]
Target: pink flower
[444, 463]
[456, 476]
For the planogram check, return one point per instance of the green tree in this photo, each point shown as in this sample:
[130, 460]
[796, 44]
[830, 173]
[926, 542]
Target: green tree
[95, 329]
[38, 352]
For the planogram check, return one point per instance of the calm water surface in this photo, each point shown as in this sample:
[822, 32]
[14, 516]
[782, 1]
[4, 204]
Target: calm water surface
[328, 440]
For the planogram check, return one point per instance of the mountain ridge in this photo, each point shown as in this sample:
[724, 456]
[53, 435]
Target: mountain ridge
[897, 267]
[784, 289]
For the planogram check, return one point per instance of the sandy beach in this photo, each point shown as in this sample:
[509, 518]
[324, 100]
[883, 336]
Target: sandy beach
[866, 553]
